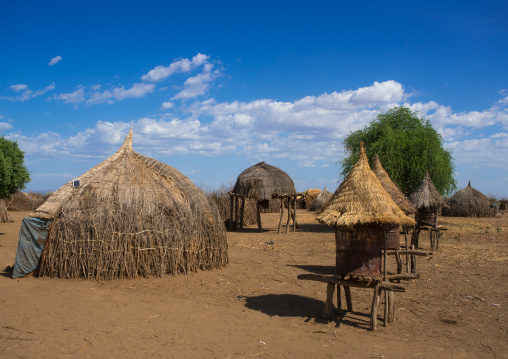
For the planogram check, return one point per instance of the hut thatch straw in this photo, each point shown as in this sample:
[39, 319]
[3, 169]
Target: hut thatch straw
[263, 181]
[320, 201]
[130, 215]
[361, 200]
[394, 191]
[426, 196]
[469, 202]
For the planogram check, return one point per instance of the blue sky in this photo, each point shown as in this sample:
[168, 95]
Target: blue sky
[212, 88]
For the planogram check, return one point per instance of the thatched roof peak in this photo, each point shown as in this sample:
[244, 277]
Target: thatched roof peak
[362, 200]
[127, 143]
[262, 181]
[394, 191]
[426, 195]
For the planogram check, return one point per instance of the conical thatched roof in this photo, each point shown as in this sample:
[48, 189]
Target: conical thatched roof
[426, 195]
[131, 215]
[319, 202]
[469, 202]
[394, 191]
[362, 200]
[262, 181]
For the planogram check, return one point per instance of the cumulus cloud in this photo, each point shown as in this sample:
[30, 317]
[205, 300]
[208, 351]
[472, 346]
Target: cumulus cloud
[27, 93]
[55, 60]
[108, 96]
[167, 105]
[199, 84]
[160, 73]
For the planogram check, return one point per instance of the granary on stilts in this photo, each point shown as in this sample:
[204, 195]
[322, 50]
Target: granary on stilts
[427, 201]
[359, 210]
[392, 232]
[263, 182]
[469, 202]
[128, 216]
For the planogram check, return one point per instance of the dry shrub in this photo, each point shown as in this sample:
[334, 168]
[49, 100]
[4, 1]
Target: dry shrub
[21, 201]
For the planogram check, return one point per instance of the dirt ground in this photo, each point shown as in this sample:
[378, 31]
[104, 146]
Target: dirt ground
[256, 307]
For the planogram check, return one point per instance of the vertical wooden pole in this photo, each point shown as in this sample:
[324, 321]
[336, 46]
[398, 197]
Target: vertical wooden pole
[384, 279]
[373, 310]
[349, 302]
[339, 301]
[407, 255]
[391, 307]
[327, 313]
[281, 213]
[231, 211]
[294, 217]
[242, 210]
[289, 213]
[258, 214]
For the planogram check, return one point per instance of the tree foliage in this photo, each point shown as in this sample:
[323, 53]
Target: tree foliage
[407, 145]
[13, 173]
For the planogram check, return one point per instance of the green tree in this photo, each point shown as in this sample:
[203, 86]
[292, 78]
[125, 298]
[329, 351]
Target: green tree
[407, 145]
[13, 173]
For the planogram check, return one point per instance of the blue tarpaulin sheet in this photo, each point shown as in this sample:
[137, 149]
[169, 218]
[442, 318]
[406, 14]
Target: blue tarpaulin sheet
[32, 236]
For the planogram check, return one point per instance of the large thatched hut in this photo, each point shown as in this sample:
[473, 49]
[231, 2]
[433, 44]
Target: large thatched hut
[393, 232]
[469, 202]
[360, 209]
[130, 216]
[263, 182]
[427, 200]
[320, 201]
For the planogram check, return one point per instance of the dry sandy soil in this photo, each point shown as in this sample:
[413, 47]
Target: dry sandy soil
[256, 307]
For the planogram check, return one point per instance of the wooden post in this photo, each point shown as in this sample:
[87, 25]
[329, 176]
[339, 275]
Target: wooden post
[330, 288]
[399, 261]
[289, 213]
[413, 260]
[339, 301]
[242, 210]
[349, 302]
[231, 211]
[281, 213]
[391, 307]
[258, 213]
[407, 255]
[384, 280]
[236, 211]
[294, 217]
[373, 310]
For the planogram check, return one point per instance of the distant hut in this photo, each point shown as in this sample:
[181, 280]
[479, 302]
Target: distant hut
[503, 204]
[310, 195]
[320, 201]
[263, 182]
[128, 216]
[393, 232]
[469, 202]
[359, 209]
[427, 200]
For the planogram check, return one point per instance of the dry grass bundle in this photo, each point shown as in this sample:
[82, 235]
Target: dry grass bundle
[262, 181]
[310, 196]
[4, 215]
[132, 215]
[469, 202]
[390, 187]
[361, 200]
[320, 201]
[426, 196]
[21, 201]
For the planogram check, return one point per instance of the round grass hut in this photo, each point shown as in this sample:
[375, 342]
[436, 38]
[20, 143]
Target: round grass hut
[130, 216]
[469, 202]
[320, 201]
[360, 209]
[263, 182]
[393, 232]
[427, 200]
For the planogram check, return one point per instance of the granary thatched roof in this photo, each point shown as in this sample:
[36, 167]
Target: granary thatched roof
[469, 202]
[318, 203]
[426, 195]
[262, 181]
[131, 215]
[362, 200]
[394, 191]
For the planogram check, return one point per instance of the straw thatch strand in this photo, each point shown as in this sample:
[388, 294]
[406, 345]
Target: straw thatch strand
[320, 201]
[263, 181]
[361, 200]
[394, 191]
[426, 196]
[131, 216]
[469, 202]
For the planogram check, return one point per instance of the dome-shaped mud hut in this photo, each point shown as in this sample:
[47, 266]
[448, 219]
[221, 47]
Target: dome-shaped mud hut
[130, 216]
[360, 209]
[263, 182]
[392, 232]
[469, 202]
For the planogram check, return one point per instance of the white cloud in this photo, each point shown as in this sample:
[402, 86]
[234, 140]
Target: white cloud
[167, 105]
[108, 96]
[27, 94]
[20, 87]
[199, 84]
[4, 126]
[73, 97]
[160, 73]
[55, 60]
